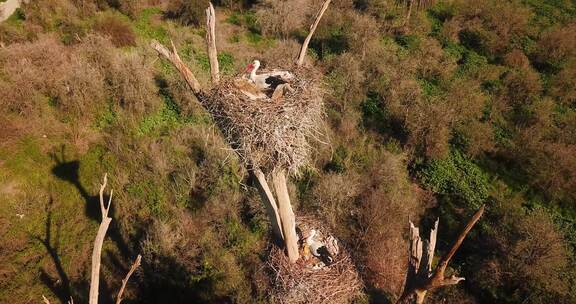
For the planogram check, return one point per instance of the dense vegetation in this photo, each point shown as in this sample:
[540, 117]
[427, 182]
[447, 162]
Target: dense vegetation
[469, 103]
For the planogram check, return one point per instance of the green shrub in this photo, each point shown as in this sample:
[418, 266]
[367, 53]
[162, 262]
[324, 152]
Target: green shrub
[145, 28]
[456, 175]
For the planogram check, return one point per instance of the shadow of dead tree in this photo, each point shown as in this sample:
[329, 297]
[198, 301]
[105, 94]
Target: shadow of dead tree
[70, 171]
[61, 285]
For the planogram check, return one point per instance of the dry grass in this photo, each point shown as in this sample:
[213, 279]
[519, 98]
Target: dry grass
[266, 133]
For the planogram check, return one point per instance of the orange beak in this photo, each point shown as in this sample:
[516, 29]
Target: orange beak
[249, 68]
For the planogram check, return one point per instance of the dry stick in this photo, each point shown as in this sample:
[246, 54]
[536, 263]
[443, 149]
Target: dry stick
[135, 265]
[420, 278]
[270, 202]
[287, 217]
[304, 48]
[173, 57]
[46, 301]
[96, 253]
[211, 43]
[409, 13]
[446, 259]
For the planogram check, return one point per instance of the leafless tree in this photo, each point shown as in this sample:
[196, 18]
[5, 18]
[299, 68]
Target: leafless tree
[97, 252]
[420, 278]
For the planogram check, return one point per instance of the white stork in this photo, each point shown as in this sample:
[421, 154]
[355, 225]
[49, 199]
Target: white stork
[318, 249]
[273, 82]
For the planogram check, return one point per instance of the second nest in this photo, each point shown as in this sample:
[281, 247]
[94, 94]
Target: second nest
[308, 280]
[269, 133]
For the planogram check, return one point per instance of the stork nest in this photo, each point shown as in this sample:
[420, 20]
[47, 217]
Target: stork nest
[270, 133]
[300, 282]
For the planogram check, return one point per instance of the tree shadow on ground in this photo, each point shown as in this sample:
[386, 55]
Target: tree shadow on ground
[62, 286]
[170, 281]
[59, 286]
[70, 171]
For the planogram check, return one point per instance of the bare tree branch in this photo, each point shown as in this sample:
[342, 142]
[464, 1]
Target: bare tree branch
[211, 43]
[420, 278]
[135, 265]
[446, 259]
[98, 242]
[313, 27]
[173, 57]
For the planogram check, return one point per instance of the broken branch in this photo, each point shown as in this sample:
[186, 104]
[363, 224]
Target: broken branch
[457, 243]
[135, 265]
[313, 27]
[173, 57]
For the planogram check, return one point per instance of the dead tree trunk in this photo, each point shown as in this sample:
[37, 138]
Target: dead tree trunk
[270, 204]
[211, 43]
[420, 278]
[313, 27]
[287, 217]
[98, 242]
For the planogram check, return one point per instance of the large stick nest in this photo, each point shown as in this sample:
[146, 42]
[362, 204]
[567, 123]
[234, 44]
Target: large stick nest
[301, 282]
[268, 133]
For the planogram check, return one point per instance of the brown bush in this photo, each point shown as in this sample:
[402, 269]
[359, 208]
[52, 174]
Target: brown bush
[78, 80]
[552, 166]
[118, 29]
[530, 257]
[388, 199]
[188, 12]
[557, 44]
[516, 59]
[490, 25]
[346, 79]
[563, 86]
[335, 194]
[539, 255]
[46, 71]
[283, 18]
[521, 87]
[283, 53]
[479, 137]
[130, 82]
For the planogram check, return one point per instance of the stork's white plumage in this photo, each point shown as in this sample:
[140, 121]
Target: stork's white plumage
[318, 249]
[269, 81]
